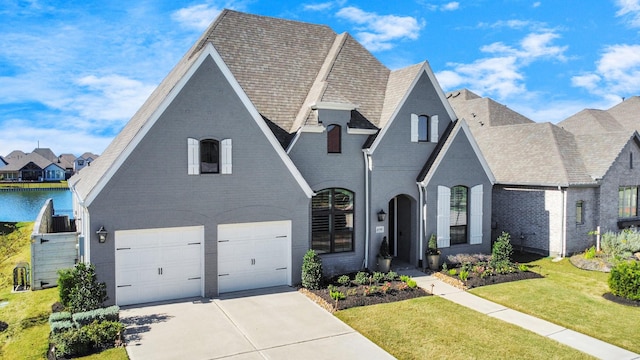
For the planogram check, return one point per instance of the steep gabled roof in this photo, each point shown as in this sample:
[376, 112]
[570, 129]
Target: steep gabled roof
[482, 112]
[46, 153]
[66, 160]
[627, 113]
[601, 150]
[591, 121]
[15, 154]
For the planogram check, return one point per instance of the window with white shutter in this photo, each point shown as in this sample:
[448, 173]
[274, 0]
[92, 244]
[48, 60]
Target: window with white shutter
[433, 128]
[476, 215]
[444, 216]
[193, 156]
[225, 156]
[414, 127]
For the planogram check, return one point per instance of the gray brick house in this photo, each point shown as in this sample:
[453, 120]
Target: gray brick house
[556, 183]
[281, 137]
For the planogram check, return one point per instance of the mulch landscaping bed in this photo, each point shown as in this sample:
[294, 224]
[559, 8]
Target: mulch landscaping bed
[322, 297]
[476, 281]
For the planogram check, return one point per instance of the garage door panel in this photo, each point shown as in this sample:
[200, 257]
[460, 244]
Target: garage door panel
[158, 264]
[253, 255]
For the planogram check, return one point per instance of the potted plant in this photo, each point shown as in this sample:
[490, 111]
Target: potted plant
[433, 254]
[384, 256]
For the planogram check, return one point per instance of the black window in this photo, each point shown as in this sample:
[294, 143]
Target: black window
[332, 221]
[209, 156]
[334, 141]
[579, 212]
[459, 214]
[423, 124]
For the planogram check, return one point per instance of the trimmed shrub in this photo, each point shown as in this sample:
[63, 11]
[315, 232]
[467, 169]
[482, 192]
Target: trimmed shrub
[311, 270]
[378, 277]
[624, 280]
[103, 314]
[87, 293]
[59, 316]
[61, 326]
[344, 280]
[88, 339]
[502, 249]
[65, 285]
[620, 245]
[391, 275]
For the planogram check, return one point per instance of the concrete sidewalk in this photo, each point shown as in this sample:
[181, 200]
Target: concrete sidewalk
[576, 340]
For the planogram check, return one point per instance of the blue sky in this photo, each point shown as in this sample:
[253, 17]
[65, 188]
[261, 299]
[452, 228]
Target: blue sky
[73, 72]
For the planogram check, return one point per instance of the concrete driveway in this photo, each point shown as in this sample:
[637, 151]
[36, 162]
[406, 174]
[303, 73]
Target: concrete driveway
[277, 323]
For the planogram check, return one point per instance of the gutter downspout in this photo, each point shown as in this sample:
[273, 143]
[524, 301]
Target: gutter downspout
[421, 224]
[564, 222]
[367, 217]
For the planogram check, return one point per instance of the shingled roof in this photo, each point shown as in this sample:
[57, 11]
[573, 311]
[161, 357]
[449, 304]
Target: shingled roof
[590, 121]
[627, 113]
[483, 112]
[285, 67]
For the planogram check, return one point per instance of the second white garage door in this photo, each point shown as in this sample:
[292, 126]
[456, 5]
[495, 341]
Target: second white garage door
[159, 264]
[254, 255]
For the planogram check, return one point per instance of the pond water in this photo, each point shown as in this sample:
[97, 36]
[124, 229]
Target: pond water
[25, 205]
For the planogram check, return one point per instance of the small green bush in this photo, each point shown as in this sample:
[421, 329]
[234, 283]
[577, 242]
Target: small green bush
[412, 283]
[502, 249]
[311, 270]
[86, 340]
[378, 277]
[361, 278]
[464, 275]
[344, 280]
[405, 278]
[523, 267]
[590, 253]
[624, 280]
[337, 295]
[79, 289]
[620, 245]
[59, 316]
[391, 275]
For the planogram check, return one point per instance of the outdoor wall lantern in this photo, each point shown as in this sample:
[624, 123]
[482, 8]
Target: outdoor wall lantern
[102, 235]
[382, 215]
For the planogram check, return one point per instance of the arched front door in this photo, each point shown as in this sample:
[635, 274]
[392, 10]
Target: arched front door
[401, 228]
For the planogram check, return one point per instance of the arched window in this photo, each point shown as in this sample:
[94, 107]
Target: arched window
[459, 214]
[423, 125]
[334, 141]
[332, 212]
[209, 156]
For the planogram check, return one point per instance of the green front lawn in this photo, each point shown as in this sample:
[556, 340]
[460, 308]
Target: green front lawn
[27, 313]
[435, 328]
[572, 298]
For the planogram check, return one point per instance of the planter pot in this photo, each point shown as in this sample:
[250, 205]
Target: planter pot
[434, 262]
[384, 264]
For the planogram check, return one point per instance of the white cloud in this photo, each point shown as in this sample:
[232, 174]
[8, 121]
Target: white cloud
[617, 73]
[454, 5]
[629, 9]
[536, 4]
[323, 5]
[197, 17]
[378, 32]
[112, 98]
[502, 74]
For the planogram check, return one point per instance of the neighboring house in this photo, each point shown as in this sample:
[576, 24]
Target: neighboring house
[67, 161]
[3, 163]
[83, 160]
[554, 186]
[39, 165]
[280, 137]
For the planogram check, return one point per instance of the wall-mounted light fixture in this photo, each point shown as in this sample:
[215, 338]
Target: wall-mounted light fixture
[382, 215]
[102, 234]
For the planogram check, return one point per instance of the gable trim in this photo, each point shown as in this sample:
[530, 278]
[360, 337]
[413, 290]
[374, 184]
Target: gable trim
[207, 51]
[462, 126]
[426, 69]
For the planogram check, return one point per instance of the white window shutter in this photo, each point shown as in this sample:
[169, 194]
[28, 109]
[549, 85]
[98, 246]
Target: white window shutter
[225, 156]
[193, 156]
[444, 217]
[414, 127]
[476, 215]
[433, 129]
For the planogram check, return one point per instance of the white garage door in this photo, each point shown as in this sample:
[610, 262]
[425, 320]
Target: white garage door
[254, 255]
[159, 264]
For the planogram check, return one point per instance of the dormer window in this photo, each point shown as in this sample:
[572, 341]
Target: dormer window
[209, 156]
[424, 128]
[334, 141]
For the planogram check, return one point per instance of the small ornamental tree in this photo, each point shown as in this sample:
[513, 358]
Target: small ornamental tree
[80, 290]
[311, 270]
